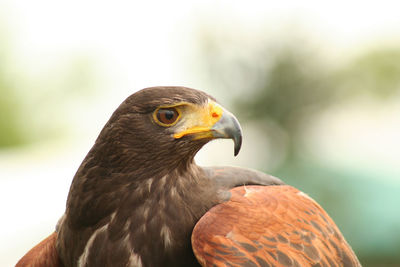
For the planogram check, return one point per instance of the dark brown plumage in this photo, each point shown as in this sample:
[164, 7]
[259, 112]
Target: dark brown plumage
[138, 194]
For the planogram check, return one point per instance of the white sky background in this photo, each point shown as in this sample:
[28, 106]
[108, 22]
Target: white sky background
[140, 44]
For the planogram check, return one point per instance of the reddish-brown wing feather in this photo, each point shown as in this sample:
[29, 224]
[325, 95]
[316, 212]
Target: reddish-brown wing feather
[43, 254]
[270, 226]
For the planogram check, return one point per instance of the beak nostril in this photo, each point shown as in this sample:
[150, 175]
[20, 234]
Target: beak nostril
[215, 115]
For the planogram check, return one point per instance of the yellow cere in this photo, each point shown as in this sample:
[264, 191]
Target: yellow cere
[201, 121]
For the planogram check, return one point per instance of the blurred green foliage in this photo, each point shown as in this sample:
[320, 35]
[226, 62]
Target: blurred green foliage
[376, 72]
[288, 84]
[10, 107]
[284, 83]
[10, 117]
[25, 101]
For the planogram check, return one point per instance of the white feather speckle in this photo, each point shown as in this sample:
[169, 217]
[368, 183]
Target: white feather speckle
[173, 191]
[149, 182]
[249, 191]
[166, 235]
[83, 258]
[134, 260]
[302, 194]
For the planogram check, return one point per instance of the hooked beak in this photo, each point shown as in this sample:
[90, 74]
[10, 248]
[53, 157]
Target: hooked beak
[228, 127]
[213, 122]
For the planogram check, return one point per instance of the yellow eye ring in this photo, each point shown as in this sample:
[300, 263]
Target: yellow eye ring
[166, 116]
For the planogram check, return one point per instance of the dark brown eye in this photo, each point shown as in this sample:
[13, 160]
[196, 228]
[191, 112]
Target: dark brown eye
[167, 116]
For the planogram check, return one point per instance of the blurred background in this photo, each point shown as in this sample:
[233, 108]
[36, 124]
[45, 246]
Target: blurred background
[316, 86]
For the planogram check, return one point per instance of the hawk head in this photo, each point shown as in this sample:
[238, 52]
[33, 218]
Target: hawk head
[164, 125]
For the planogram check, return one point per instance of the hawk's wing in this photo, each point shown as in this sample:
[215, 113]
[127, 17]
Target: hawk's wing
[227, 177]
[43, 254]
[270, 226]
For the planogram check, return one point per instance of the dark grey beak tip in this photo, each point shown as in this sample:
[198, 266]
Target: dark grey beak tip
[228, 127]
[238, 144]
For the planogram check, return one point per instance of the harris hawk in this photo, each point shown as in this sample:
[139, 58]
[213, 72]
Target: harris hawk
[139, 199]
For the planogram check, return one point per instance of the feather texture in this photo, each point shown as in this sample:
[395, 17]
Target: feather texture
[138, 194]
[43, 254]
[270, 226]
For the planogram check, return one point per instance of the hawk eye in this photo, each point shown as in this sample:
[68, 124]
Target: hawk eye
[167, 116]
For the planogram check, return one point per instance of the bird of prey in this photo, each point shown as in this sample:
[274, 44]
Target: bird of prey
[139, 199]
